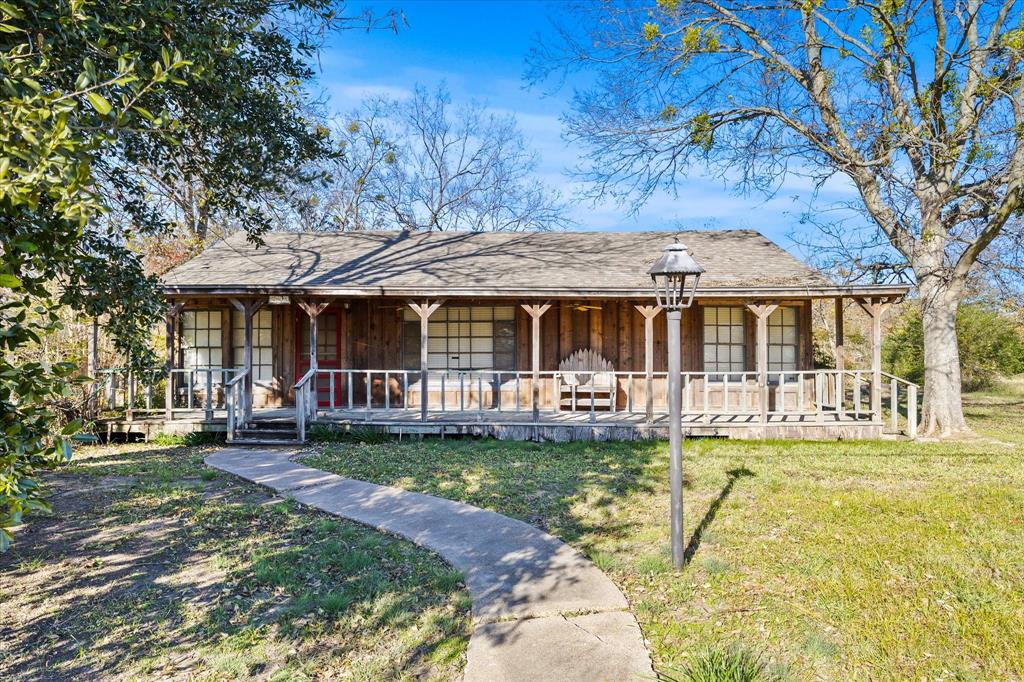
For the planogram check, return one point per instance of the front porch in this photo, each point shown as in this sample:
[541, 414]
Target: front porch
[814, 404]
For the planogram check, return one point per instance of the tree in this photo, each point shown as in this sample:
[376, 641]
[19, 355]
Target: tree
[990, 341]
[421, 163]
[920, 106]
[100, 103]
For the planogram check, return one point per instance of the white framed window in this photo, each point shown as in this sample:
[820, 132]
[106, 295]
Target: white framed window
[725, 345]
[462, 338]
[784, 339]
[201, 339]
[262, 344]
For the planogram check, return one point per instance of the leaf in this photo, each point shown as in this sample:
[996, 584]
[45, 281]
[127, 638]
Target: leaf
[99, 103]
[71, 427]
[11, 10]
[9, 281]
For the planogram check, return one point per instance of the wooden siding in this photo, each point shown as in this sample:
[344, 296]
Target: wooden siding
[371, 337]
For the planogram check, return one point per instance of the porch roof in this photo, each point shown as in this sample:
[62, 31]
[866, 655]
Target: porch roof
[482, 264]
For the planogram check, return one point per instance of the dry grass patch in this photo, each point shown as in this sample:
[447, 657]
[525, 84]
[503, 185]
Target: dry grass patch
[153, 566]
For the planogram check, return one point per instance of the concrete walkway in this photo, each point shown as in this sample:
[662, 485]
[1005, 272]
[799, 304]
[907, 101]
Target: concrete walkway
[541, 610]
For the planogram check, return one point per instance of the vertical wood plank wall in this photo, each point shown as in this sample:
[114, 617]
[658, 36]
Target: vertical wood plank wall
[371, 337]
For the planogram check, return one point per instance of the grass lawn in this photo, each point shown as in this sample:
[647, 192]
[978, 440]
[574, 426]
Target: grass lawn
[855, 560]
[153, 566]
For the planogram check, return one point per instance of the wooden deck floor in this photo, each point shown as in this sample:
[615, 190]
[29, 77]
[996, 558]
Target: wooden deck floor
[520, 425]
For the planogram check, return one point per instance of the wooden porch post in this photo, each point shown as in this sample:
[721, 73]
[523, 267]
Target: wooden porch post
[874, 307]
[248, 309]
[535, 312]
[170, 320]
[840, 336]
[424, 310]
[762, 311]
[312, 309]
[649, 312]
[93, 365]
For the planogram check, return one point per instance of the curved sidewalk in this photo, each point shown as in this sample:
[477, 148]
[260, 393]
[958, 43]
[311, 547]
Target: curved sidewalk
[541, 610]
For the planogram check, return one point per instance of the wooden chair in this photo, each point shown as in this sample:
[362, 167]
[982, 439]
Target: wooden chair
[586, 382]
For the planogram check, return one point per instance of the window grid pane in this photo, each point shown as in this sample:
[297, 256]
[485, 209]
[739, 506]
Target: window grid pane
[783, 339]
[201, 339]
[262, 346]
[724, 339]
[463, 338]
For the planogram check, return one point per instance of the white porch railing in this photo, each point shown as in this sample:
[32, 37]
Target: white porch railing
[120, 390]
[806, 395]
[234, 403]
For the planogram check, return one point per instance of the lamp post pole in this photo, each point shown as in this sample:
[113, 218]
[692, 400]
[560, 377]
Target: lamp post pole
[675, 276]
[675, 434]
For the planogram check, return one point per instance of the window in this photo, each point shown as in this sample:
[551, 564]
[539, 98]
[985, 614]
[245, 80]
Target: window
[724, 339]
[462, 338]
[262, 362]
[200, 339]
[326, 338]
[783, 339]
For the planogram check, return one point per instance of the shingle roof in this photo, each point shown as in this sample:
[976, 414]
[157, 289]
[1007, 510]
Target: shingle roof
[484, 263]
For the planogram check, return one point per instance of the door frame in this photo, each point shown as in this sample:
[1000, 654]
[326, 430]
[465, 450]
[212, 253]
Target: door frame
[301, 321]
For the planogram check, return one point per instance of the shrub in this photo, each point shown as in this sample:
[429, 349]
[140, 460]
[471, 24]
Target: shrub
[324, 433]
[991, 345]
[193, 439]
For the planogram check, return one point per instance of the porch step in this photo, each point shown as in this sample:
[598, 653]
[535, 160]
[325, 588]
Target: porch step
[267, 433]
[274, 433]
[264, 441]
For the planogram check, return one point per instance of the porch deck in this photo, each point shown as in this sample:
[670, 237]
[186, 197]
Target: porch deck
[558, 426]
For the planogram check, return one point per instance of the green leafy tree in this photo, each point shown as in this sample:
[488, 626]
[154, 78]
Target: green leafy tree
[116, 116]
[991, 345]
[917, 106]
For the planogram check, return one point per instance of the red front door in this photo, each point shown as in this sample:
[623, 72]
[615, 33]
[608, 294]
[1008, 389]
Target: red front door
[328, 352]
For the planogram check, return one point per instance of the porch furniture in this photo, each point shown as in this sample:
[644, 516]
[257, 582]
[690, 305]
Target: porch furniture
[586, 381]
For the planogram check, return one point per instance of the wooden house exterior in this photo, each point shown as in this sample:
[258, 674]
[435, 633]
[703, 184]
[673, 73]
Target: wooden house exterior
[487, 322]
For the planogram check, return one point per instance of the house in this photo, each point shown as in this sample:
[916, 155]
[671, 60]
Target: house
[531, 335]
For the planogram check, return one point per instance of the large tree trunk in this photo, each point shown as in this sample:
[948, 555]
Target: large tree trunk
[943, 413]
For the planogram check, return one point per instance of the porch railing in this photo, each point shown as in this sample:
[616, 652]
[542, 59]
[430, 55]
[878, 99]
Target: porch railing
[234, 403]
[118, 390]
[804, 395]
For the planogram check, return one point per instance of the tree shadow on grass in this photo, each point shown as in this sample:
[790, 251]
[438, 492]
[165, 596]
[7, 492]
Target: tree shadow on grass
[542, 484]
[698, 533]
[145, 557]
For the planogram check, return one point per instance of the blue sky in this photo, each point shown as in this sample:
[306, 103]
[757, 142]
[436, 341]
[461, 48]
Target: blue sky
[479, 48]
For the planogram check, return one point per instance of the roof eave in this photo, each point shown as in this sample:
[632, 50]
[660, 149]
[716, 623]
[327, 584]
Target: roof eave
[766, 292]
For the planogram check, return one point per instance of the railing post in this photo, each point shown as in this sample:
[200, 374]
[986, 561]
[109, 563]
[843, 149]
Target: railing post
[209, 395]
[894, 405]
[229, 403]
[129, 411]
[819, 403]
[300, 413]
[912, 411]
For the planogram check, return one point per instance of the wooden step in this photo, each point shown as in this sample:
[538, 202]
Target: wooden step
[264, 441]
[268, 432]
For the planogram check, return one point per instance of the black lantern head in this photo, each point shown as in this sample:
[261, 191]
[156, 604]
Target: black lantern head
[675, 277]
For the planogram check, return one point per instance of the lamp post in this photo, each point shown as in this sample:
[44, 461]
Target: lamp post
[675, 277]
